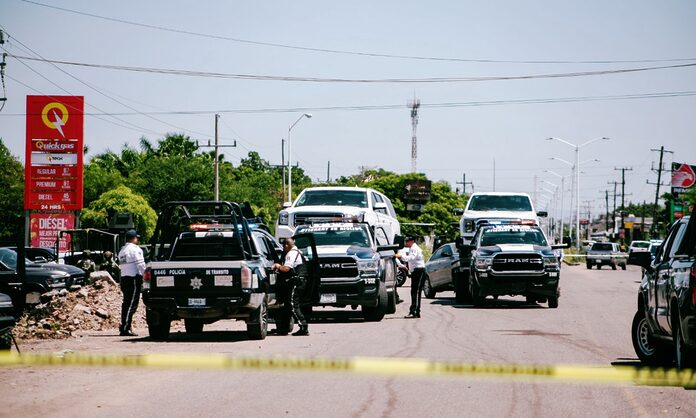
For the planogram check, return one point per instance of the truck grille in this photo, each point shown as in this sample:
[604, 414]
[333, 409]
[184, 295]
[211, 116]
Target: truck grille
[338, 267]
[307, 218]
[518, 262]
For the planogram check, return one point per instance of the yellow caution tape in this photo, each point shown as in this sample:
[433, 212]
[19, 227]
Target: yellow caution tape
[366, 366]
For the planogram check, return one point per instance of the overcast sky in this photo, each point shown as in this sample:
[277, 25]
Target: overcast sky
[451, 140]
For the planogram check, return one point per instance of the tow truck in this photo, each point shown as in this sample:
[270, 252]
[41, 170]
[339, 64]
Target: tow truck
[207, 264]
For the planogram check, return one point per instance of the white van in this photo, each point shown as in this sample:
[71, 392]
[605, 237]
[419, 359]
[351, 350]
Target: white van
[316, 204]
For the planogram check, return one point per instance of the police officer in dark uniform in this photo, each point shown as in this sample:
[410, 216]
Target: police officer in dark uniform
[292, 275]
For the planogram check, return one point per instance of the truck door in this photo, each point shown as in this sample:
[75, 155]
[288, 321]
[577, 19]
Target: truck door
[663, 284]
[306, 244]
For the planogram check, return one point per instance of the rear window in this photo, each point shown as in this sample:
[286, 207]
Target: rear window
[640, 245]
[507, 203]
[207, 248]
[333, 198]
[602, 247]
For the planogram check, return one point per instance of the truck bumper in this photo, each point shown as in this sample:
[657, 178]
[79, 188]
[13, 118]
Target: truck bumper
[215, 308]
[284, 231]
[545, 284]
[349, 292]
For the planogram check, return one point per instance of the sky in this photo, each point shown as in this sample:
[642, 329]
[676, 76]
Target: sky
[452, 141]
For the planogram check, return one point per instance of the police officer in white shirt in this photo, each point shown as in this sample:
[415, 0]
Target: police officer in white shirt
[294, 282]
[416, 265]
[132, 264]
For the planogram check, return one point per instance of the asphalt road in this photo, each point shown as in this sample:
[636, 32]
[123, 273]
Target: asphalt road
[591, 326]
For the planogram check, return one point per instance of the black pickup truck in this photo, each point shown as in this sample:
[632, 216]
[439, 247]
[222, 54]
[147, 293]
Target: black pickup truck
[208, 264]
[664, 326]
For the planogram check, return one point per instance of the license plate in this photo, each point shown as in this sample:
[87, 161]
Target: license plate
[598, 261]
[327, 298]
[196, 301]
[33, 298]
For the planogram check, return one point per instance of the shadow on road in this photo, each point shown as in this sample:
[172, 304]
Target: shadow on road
[630, 362]
[488, 304]
[321, 316]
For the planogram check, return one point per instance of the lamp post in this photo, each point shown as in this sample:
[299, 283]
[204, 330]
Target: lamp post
[562, 194]
[304, 115]
[577, 181]
[549, 205]
[554, 206]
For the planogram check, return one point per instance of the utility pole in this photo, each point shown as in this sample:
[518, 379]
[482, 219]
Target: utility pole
[623, 194]
[282, 162]
[657, 185]
[613, 212]
[606, 216]
[216, 147]
[493, 174]
[328, 172]
[464, 183]
[414, 105]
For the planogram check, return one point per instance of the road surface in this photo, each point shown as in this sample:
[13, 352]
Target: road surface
[591, 326]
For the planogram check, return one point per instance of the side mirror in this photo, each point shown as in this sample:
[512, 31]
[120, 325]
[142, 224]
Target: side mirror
[287, 205]
[642, 259]
[394, 248]
[542, 214]
[458, 211]
[41, 259]
[399, 241]
[559, 246]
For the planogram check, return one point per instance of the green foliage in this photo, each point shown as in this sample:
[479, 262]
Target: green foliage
[98, 179]
[12, 196]
[121, 199]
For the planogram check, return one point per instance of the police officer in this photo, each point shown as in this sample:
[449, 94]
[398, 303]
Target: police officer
[109, 265]
[416, 266]
[291, 275]
[132, 263]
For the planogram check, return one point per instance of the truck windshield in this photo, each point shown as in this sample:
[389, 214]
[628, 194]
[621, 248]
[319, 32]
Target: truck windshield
[529, 236]
[344, 235]
[207, 248]
[354, 198]
[9, 257]
[494, 202]
[601, 246]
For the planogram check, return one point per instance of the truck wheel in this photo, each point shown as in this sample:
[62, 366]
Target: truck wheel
[650, 351]
[623, 266]
[158, 325]
[6, 341]
[193, 326]
[613, 266]
[461, 290]
[391, 305]
[257, 324]
[376, 313]
[284, 322]
[476, 297]
[599, 266]
[589, 266]
[553, 302]
[531, 300]
[685, 356]
[428, 290]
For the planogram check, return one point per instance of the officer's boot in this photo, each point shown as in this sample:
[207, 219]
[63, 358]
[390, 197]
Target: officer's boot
[304, 330]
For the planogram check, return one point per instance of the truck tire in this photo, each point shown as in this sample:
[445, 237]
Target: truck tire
[158, 324]
[428, 290]
[553, 302]
[649, 350]
[613, 266]
[589, 266]
[376, 313]
[476, 298]
[391, 305]
[284, 322]
[623, 266]
[531, 300]
[193, 326]
[257, 324]
[6, 341]
[461, 289]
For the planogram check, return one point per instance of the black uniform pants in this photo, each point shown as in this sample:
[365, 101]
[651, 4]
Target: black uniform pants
[295, 287]
[130, 286]
[417, 279]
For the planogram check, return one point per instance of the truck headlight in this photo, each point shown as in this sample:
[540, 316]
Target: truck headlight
[483, 263]
[550, 262]
[283, 218]
[368, 266]
[469, 226]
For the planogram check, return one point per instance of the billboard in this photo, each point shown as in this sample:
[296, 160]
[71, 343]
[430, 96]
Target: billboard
[44, 229]
[683, 178]
[54, 153]
[417, 191]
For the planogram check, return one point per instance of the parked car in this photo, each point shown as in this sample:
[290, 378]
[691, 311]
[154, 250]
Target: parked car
[440, 270]
[42, 276]
[606, 254]
[637, 247]
[664, 326]
[331, 204]
[587, 244]
[39, 255]
[7, 321]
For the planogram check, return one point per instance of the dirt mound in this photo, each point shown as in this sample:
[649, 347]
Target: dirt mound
[94, 307]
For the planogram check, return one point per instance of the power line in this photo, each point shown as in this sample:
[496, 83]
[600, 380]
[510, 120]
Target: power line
[344, 52]
[260, 77]
[400, 106]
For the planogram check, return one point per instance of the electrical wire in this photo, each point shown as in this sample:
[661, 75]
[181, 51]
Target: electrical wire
[259, 77]
[344, 52]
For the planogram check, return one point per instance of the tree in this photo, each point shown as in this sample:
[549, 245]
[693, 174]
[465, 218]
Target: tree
[121, 199]
[97, 180]
[12, 196]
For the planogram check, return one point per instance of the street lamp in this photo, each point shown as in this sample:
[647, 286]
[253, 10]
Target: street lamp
[562, 194]
[304, 115]
[577, 180]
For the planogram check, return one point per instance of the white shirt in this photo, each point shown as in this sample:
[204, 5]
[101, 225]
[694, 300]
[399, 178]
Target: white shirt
[293, 258]
[414, 258]
[131, 260]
